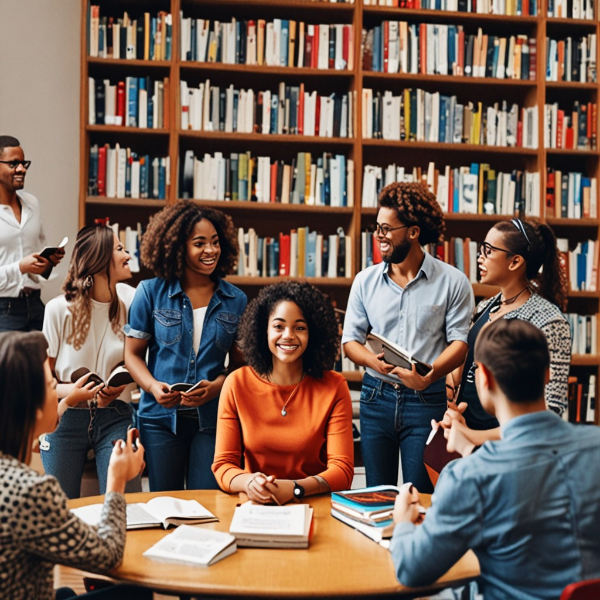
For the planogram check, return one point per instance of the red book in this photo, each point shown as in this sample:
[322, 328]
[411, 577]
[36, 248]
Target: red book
[300, 120]
[560, 120]
[520, 133]
[315, 48]
[386, 46]
[569, 138]
[532, 59]
[423, 48]
[308, 50]
[120, 120]
[376, 251]
[102, 171]
[273, 181]
[588, 131]
[346, 45]
[460, 58]
[550, 194]
[594, 126]
[284, 254]
[451, 191]
[318, 116]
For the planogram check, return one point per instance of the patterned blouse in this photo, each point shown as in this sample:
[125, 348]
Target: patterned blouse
[548, 317]
[37, 530]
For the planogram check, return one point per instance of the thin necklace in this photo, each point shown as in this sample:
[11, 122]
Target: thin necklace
[507, 302]
[283, 410]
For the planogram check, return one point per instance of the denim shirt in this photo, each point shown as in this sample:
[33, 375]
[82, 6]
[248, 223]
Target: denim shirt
[527, 505]
[162, 313]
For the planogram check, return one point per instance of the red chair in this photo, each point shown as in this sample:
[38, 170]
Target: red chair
[582, 590]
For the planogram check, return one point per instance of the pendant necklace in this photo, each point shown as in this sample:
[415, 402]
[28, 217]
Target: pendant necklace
[507, 302]
[283, 410]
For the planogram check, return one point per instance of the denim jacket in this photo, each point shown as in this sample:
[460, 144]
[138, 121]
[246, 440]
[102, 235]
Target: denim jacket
[162, 313]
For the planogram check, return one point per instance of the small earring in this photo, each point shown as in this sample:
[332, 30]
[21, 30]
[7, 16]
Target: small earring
[88, 282]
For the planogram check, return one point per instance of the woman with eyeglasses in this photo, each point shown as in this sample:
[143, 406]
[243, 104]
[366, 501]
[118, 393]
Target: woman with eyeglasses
[183, 323]
[83, 329]
[522, 259]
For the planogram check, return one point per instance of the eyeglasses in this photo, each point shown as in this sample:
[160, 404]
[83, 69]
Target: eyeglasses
[519, 225]
[13, 164]
[385, 229]
[485, 248]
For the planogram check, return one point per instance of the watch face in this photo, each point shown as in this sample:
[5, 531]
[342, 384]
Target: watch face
[298, 491]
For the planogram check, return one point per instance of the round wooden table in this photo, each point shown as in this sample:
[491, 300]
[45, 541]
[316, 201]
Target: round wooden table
[340, 562]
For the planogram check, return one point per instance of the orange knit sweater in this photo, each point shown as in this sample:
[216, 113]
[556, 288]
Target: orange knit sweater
[315, 438]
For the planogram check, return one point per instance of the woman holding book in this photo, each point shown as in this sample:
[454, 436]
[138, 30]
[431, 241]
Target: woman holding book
[522, 259]
[37, 529]
[83, 329]
[285, 420]
[184, 323]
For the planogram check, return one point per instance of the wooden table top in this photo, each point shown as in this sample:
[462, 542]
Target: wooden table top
[340, 562]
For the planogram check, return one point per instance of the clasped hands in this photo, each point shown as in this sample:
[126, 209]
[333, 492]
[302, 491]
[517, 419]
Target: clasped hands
[265, 489]
[455, 429]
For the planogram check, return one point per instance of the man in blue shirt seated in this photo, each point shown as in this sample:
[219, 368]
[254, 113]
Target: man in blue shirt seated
[527, 505]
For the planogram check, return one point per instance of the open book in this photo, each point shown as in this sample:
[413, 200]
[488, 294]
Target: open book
[160, 511]
[119, 376]
[185, 387]
[396, 355]
[48, 251]
[193, 546]
[257, 525]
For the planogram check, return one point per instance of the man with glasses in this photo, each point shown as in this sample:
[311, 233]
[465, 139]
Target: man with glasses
[421, 304]
[21, 239]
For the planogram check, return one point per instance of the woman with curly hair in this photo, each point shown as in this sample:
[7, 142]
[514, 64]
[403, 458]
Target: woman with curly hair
[184, 323]
[285, 421]
[83, 329]
[421, 304]
[522, 259]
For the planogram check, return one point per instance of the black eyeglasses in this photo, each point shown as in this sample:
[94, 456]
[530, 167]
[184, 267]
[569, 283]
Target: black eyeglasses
[13, 164]
[519, 225]
[485, 248]
[385, 229]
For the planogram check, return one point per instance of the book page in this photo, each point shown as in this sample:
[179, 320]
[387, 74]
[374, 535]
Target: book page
[277, 520]
[165, 507]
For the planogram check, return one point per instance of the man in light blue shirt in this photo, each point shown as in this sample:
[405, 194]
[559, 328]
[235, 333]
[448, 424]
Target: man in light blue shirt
[421, 304]
[527, 505]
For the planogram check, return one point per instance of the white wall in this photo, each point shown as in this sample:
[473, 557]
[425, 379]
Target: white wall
[39, 104]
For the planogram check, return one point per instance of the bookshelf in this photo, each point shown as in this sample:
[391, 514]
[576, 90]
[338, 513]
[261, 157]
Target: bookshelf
[270, 218]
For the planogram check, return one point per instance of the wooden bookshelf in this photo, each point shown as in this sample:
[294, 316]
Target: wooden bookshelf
[271, 218]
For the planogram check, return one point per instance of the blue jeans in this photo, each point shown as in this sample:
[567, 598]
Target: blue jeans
[397, 422]
[25, 313]
[65, 451]
[182, 460]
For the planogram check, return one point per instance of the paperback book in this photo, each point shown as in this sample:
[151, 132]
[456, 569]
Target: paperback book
[396, 355]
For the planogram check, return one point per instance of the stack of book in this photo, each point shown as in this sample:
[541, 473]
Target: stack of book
[369, 510]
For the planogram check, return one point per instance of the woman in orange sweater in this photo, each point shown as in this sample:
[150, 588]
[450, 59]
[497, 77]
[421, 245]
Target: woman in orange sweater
[284, 428]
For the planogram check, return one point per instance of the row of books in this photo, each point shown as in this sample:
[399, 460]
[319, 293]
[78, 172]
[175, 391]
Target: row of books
[572, 9]
[576, 129]
[581, 264]
[571, 59]
[299, 253]
[418, 115]
[133, 102]
[584, 333]
[437, 49]
[486, 7]
[277, 43]
[289, 110]
[571, 195]
[131, 238]
[325, 180]
[117, 172]
[146, 38]
[473, 189]
[581, 407]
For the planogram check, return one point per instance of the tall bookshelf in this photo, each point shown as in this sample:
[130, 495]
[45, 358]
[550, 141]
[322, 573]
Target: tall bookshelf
[271, 218]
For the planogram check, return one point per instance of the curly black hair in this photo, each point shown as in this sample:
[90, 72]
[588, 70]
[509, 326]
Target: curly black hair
[415, 205]
[164, 243]
[323, 333]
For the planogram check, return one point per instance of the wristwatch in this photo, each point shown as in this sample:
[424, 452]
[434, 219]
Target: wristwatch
[299, 491]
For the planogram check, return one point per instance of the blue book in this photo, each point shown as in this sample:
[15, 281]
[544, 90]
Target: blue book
[377, 49]
[168, 39]
[444, 100]
[153, 36]
[367, 500]
[582, 259]
[132, 108]
[451, 47]
[128, 177]
[162, 179]
[326, 189]
[144, 176]
[233, 166]
[456, 192]
[342, 170]
[272, 258]
[285, 41]
[310, 265]
[274, 113]
[577, 212]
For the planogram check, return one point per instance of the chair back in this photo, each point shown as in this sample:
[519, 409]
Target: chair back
[582, 590]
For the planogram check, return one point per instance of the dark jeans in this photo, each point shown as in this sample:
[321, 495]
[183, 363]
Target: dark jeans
[393, 423]
[113, 592]
[182, 460]
[25, 313]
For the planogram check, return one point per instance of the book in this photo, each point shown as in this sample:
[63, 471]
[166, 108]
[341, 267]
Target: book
[396, 355]
[161, 511]
[48, 251]
[380, 532]
[260, 526]
[118, 377]
[185, 387]
[193, 546]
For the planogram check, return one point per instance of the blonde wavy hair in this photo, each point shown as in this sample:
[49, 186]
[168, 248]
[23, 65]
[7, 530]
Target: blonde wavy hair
[92, 255]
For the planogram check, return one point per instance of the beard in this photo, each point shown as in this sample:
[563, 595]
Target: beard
[398, 253]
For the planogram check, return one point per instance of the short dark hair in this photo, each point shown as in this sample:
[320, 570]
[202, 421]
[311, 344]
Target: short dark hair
[22, 388]
[323, 333]
[516, 353]
[8, 141]
[415, 205]
[163, 245]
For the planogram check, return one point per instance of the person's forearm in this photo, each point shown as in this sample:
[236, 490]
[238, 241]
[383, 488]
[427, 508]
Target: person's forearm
[139, 370]
[479, 437]
[359, 354]
[451, 358]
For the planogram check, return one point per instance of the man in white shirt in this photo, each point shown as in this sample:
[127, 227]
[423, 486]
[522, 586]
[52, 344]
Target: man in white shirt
[21, 239]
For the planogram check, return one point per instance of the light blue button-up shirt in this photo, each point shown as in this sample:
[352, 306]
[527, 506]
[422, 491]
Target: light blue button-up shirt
[528, 506]
[433, 310]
